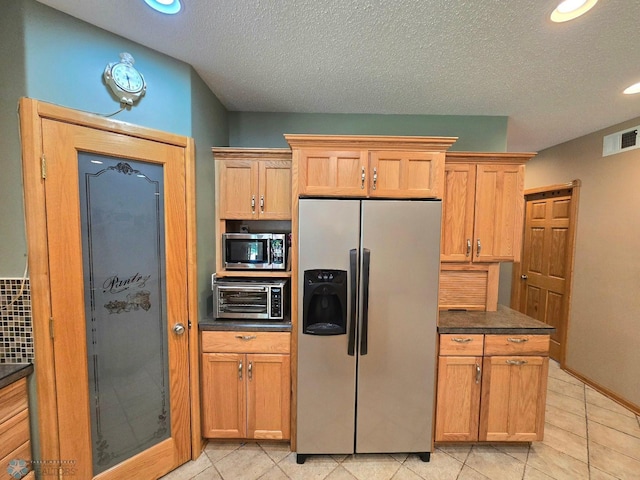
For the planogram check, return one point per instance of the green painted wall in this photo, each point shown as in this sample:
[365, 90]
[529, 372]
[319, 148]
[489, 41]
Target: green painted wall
[209, 127]
[475, 133]
[13, 243]
[59, 59]
[65, 59]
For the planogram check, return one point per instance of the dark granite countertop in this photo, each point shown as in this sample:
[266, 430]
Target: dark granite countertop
[243, 325]
[12, 372]
[502, 321]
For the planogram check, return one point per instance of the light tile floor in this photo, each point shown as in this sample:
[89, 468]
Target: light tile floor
[587, 436]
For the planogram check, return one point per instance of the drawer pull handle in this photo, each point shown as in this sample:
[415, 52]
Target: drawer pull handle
[517, 340]
[516, 362]
[478, 373]
[246, 338]
[462, 340]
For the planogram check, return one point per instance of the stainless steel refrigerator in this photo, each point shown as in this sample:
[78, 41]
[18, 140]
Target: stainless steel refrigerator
[368, 304]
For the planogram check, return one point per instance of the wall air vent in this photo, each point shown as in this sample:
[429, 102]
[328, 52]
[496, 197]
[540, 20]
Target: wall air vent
[621, 141]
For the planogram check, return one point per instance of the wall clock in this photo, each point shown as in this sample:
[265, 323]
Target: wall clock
[124, 80]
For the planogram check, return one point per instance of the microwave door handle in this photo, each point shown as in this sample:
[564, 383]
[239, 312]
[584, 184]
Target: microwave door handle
[269, 254]
[353, 267]
[366, 261]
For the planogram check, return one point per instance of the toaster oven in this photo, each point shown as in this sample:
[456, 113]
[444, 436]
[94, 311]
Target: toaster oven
[249, 299]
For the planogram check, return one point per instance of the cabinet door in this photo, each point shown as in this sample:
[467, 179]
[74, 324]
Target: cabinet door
[238, 185]
[406, 174]
[458, 398]
[268, 396]
[458, 212]
[223, 395]
[333, 173]
[499, 213]
[514, 393]
[274, 188]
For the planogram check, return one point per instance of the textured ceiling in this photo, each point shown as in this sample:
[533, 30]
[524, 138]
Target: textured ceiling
[555, 82]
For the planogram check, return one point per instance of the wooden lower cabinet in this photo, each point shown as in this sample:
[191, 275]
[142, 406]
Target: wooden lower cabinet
[491, 388]
[15, 441]
[514, 395]
[246, 395]
[458, 399]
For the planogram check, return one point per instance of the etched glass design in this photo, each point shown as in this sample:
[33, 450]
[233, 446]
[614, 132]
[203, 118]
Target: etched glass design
[122, 220]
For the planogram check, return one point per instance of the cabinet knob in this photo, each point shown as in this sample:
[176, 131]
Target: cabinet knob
[524, 277]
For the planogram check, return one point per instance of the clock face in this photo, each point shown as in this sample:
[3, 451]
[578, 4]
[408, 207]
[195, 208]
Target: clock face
[127, 77]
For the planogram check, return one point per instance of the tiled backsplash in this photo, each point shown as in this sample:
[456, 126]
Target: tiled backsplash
[16, 327]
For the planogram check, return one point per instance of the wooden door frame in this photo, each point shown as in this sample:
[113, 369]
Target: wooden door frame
[32, 113]
[516, 284]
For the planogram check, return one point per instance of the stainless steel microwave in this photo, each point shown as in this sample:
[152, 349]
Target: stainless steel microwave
[249, 299]
[254, 251]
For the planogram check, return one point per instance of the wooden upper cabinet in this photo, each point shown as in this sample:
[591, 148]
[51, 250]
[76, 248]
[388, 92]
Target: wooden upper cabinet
[274, 190]
[332, 172]
[406, 174]
[483, 207]
[369, 166]
[500, 207]
[253, 184]
[458, 212]
[237, 188]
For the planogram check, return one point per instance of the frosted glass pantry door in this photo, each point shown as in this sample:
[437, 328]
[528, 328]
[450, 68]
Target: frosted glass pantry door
[116, 227]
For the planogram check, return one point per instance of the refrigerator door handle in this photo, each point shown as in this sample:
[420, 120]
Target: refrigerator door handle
[366, 260]
[353, 267]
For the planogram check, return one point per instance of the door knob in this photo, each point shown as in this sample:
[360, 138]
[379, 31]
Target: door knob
[524, 277]
[178, 329]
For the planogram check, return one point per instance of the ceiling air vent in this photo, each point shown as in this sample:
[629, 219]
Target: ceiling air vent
[620, 141]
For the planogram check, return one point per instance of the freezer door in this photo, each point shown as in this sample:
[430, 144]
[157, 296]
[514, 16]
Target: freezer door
[396, 375]
[328, 231]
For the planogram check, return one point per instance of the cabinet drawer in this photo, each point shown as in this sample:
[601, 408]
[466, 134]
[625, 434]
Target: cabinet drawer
[516, 345]
[246, 342]
[13, 399]
[22, 452]
[461, 344]
[14, 432]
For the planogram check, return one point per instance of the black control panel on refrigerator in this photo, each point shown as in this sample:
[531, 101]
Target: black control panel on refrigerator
[325, 302]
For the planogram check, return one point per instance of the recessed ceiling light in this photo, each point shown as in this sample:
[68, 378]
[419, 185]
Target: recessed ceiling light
[170, 7]
[570, 9]
[635, 88]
